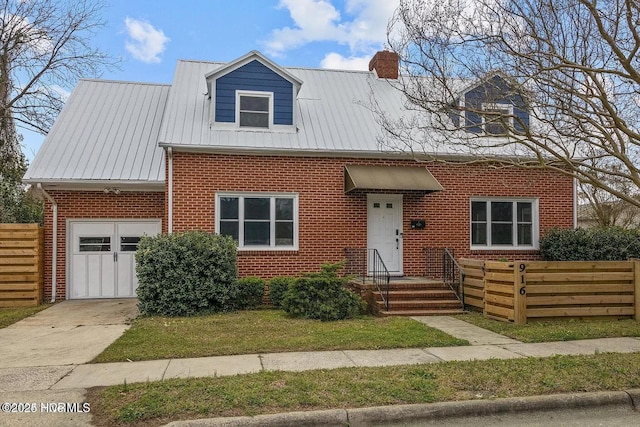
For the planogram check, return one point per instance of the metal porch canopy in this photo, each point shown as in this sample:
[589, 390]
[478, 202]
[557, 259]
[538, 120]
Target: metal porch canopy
[408, 178]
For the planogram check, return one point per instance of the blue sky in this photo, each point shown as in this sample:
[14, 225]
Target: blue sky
[150, 36]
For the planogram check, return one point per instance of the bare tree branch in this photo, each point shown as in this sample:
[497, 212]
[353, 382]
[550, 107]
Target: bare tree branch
[571, 64]
[45, 46]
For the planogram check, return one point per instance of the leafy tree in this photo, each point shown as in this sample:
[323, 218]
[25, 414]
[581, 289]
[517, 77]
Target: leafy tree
[572, 64]
[44, 47]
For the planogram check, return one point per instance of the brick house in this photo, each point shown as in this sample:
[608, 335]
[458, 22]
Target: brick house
[285, 160]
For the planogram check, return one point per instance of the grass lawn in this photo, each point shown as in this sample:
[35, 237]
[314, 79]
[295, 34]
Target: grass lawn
[156, 403]
[265, 331]
[9, 316]
[557, 330]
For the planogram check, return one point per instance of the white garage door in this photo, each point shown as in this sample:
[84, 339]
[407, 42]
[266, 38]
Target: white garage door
[102, 257]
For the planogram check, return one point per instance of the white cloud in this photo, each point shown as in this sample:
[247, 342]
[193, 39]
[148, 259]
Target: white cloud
[315, 20]
[145, 43]
[338, 62]
[362, 25]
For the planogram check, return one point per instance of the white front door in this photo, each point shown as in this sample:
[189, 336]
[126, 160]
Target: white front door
[102, 257]
[384, 229]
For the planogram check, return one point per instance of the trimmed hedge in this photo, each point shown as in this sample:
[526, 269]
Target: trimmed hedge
[250, 293]
[277, 288]
[322, 296]
[594, 244]
[183, 274]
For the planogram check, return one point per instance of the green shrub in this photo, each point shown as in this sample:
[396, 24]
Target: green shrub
[595, 244]
[277, 287]
[250, 293]
[183, 274]
[322, 296]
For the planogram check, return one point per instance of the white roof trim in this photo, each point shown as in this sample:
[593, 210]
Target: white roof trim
[245, 59]
[354, 154]
[97, 185]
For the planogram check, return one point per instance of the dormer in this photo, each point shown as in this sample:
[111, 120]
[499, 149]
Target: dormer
[491, 107]
[253, 93]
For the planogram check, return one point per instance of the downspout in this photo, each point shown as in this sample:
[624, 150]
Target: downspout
[54, 242]
[170, 191]
[575, 203]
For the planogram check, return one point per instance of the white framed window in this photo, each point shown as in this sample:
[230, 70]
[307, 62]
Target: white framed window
[258, 221]
[504, 223]
[496, 117]
[254, 109]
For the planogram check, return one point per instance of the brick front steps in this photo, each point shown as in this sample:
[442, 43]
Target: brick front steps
[412, 296]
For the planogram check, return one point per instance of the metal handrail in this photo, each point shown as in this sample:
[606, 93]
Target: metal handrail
[451, 269]
[380, 273]
[368, 263]
[441, 264]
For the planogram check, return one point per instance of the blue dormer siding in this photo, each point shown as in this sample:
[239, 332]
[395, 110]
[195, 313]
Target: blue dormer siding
[258, 77]
[496, 91]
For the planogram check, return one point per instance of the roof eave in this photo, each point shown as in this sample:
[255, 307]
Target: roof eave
[364, 154]
[96, 185]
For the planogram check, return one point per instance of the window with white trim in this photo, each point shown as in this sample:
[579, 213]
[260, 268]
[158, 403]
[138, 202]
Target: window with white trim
[496, 117]
[504, 224]
[254, 109]
[259, 221]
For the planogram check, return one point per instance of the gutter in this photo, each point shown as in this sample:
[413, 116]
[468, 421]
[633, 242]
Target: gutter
[170, 191]
[54, 242]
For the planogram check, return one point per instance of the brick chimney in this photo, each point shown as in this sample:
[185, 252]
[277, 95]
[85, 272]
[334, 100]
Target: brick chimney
[385, 63]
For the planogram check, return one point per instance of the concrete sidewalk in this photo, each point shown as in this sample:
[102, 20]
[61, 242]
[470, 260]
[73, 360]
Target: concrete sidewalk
[486, 345]
[105, 374]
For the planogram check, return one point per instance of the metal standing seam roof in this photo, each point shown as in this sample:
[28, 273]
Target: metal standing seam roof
[106, 133]
[114, 132]
[331, 113]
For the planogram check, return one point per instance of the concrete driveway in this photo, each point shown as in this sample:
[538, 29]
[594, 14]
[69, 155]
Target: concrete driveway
[37, 352]
[68, 333]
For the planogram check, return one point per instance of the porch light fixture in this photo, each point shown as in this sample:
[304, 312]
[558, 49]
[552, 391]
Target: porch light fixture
[111, 190]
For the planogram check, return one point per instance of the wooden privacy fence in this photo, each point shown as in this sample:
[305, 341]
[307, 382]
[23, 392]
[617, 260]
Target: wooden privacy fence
[521, 290]
[21, 264]
[473, 282]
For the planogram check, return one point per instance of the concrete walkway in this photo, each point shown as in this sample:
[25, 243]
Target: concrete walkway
[464, 330]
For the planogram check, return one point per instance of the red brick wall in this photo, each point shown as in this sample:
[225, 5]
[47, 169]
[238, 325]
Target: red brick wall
[91, 204]
[331, 220]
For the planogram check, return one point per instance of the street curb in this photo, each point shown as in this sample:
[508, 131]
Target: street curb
[384, 415]
[328, 418]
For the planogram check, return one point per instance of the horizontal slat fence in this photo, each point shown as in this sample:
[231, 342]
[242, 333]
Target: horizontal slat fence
[21, 265]
[473, 283]
[498, 290]
[521, 290]
[580, 288]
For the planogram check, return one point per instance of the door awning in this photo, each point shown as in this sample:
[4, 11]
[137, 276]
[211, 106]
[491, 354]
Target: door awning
[358, 177]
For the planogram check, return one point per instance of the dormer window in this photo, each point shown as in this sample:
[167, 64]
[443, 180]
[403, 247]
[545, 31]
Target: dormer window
[496, 118]
[253, 94]
[254, 109]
